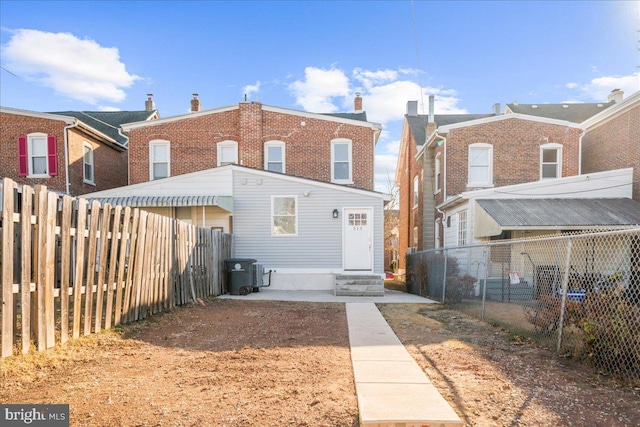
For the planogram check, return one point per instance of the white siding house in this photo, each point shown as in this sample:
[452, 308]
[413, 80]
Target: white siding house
[304, 231]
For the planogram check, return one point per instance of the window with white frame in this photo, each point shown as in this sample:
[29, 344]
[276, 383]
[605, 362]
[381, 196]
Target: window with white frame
[480, 165]
[37, 155]
[227, 152]
[159, 159]
[341, 161]
[274, 159]
[438, 175]
[284, 216]
[416, 191]
[415, 237]
[462, 228]
[550, 161]
[87, 161]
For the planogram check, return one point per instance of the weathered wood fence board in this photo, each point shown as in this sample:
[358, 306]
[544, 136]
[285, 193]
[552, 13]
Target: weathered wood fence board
[70, 267]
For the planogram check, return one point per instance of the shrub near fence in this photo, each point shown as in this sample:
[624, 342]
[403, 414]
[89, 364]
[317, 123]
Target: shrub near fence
[72, 267]
[577, 294]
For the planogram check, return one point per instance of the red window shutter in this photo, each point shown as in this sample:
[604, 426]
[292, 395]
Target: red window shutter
[52, 158]
[23, 158]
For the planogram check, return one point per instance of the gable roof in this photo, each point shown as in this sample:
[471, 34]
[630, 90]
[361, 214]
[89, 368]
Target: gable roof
[571, 112]
[351, 116]
[418, 124]
[109, 122]
[632, 101]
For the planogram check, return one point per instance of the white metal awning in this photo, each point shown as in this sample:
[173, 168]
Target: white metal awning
[224, 202]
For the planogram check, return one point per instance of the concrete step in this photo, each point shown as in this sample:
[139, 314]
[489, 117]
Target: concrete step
[360, 285]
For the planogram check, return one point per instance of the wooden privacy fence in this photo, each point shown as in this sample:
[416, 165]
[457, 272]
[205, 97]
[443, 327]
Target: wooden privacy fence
[71, 267]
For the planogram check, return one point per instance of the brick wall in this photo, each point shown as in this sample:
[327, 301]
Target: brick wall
[307, 143]
[615, 145]
[516, 152]
[110, 164]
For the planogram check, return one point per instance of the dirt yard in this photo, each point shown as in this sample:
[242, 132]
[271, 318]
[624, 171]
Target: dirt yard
[253, 363]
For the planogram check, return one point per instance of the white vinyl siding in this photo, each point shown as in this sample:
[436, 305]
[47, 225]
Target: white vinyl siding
[480, 165]
[341, 161]
[227, 152]
[159, 159]
[319, 236]
[550, 161]
[87, 161]
[274, 156]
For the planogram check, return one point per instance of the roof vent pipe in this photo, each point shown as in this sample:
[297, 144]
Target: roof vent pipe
[496, 109]
[432, 103]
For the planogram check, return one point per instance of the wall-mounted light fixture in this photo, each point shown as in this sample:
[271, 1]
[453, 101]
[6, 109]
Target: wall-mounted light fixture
[335, 213]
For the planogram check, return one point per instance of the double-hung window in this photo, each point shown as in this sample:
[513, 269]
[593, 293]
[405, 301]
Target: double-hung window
[87, 161]
[341, 161]
[227, 152]
[550, 161]
[480, 165]
[159, 159]
[284, 216]
[274, 159]
[462, 228]
[416, 191]
[37, 155]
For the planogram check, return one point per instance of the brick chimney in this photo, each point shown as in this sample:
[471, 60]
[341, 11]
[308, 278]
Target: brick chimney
[357, 103]
[149, 105]
[616, 96]
[195, 103]
[412, 108]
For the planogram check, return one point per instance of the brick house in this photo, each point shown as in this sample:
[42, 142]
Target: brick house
[483, 152]
[336, 148]
[612, 139]
[70, 152]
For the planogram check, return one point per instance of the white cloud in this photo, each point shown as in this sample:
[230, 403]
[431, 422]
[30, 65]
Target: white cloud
[572, 85]
[370, 78]
[320, 89]
[108, 108]
[251, 89]
[76, 68]
[599, 88]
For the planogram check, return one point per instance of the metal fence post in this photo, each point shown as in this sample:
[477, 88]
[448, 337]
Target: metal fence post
[565, 286]
[486, 272]
[444, 276]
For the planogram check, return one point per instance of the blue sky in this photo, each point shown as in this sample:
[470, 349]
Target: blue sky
[313, 56]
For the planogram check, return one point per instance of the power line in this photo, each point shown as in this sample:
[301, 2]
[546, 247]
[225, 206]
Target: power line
[14, 75]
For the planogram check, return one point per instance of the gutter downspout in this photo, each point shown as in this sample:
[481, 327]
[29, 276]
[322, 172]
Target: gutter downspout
[580, 152]
[67, 184]
[126, 144]
[444, 184]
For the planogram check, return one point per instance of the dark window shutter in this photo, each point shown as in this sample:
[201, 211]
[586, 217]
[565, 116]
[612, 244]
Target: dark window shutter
[52, 159]
[23, 158]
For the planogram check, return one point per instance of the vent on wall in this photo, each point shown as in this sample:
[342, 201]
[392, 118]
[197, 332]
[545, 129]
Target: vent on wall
[448, 221]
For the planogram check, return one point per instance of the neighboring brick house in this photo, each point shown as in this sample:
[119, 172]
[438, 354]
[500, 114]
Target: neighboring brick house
[472, 153]
[612, 139]
[70, 152]
[416, 211]
[336, 148]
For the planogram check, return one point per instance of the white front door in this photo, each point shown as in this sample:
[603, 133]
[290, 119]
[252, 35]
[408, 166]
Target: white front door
[358, 239]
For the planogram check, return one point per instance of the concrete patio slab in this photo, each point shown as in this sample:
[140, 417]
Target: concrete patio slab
[390, 297]
[385, 371]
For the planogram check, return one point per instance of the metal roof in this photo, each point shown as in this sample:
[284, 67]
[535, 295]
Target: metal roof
[528, 213]
[224, 202]
[575, 113]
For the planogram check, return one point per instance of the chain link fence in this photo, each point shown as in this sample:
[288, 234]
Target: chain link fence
[577, 294]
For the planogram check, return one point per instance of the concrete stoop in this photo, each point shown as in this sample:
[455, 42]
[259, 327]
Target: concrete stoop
[392, 389]
[362, 285]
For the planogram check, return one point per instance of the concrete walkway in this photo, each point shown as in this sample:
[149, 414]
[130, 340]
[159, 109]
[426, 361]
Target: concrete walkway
[392, 389]
[390, 296]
